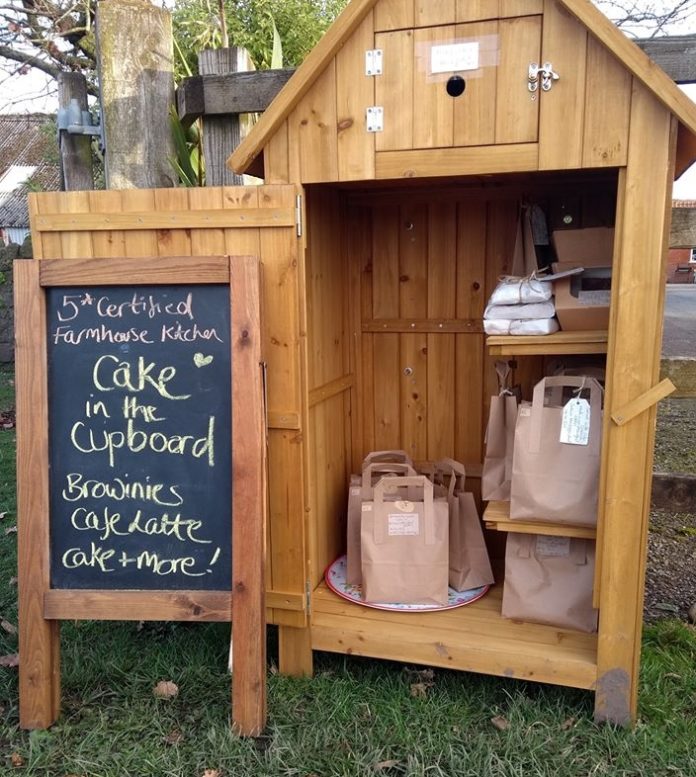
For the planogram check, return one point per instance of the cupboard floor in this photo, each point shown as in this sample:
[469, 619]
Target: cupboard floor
[474, 638]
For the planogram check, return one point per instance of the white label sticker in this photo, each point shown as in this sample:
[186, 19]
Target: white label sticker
[454, 56]
[355, 491]
[525, 410]
[575, 426]
[367, 507]
[403, 524]
[405, 507]
[553, 546]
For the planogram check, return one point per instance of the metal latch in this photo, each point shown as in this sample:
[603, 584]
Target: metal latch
[375, 118]
[547, 76]
[373, 62]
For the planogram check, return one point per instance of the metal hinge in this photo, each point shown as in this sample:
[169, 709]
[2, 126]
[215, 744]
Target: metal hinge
[547, 76]
[308, 593]
[375, 118]
[373, 62]
[298, 214]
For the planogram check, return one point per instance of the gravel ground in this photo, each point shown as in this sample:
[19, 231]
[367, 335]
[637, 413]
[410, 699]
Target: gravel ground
[670, 588]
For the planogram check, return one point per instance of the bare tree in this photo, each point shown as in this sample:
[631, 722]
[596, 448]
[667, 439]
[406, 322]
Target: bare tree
[651, 18]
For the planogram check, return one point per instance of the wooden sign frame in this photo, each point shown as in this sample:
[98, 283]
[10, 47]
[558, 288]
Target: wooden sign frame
[41, 608]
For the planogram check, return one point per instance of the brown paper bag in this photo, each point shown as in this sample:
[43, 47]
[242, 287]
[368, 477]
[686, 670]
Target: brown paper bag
[469, 564]
[549, 580]
[405, 556]
[358, 493]
[500, 438]
[551, 480]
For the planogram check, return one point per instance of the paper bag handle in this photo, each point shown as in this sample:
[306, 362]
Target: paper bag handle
[454, 469]
[387, 467]
[595, 408]
[390, 456]
[402, 482]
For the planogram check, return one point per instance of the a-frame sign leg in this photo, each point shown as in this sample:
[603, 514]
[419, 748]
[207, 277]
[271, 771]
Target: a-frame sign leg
[39, 639]
[249, 501]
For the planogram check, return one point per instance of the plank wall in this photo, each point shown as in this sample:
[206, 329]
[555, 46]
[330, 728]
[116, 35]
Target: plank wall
[496, 126]
[257, 221]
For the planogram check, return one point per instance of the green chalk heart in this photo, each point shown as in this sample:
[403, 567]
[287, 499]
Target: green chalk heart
[201, 361]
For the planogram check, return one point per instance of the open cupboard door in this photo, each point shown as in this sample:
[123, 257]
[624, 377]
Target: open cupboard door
[263, 221]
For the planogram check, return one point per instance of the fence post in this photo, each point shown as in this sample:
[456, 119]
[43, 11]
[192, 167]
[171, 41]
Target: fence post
[75, 150]
[222, 134]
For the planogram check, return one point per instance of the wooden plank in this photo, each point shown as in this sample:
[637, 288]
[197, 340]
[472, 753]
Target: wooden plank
[385, 263]
[72, 272]
[111, 242]
[359, 634]
[153, 220]
[330, 390]
[394, 15]
[276, 157]
[425, 163]
[394, 90]
[279, 420]
[642, 403]
[633, 369]
[607, 109]
[497, 517]
[413, 394]
[432, 12]
[474, 111]
[428, 325]
[355, 92]
[193, 606]
[73, 242]
[652, 76]
[413, 263]
[516, 113]
[312, 126]
[386, 371]
[520, 7]
[561, 343]
[143, 240]
[39, 639]
[248, 500]
[564, 44]
[473, 10]
[433, 120]
[442, 293]
[172, 242]
[242, 242]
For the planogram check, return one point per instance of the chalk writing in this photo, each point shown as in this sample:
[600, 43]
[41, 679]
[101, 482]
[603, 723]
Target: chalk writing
[139, 404]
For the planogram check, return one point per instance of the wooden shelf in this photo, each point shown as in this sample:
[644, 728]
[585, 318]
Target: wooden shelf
[475, 638]
[497, 517]
[559, 344]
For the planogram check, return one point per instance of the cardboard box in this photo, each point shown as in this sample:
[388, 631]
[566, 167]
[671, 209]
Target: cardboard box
[592, 247]
[582, 301]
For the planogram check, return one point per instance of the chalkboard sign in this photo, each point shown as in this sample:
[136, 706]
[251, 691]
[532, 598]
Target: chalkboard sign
[139, 387]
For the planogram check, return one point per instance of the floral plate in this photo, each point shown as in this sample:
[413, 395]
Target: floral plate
[335, 577]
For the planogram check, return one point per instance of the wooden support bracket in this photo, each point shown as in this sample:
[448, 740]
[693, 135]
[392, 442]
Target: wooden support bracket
[645, 401]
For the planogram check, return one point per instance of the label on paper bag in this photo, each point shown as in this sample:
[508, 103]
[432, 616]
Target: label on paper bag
[454, 56]
[355, 491]
[405, 507]
[403, 524]
[367, 507]
[575, 426]
[553, 546]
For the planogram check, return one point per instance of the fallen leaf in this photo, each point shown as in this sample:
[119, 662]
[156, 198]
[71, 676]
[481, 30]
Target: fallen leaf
[10, 660]
[165, 689]
[500, 723]
[456, 730]
[11, 530]
[174, 737]
[673, 676]
[568, 724]
[13, 581]
[212, 773]
[2, 515]
[8, 627]
[386, 764]
[419, 690]
[16, 760]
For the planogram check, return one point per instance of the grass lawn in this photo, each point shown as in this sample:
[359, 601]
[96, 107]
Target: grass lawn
[356, 717]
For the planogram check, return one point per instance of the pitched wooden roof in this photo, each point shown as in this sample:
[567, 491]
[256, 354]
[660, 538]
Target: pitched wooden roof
[632, 57]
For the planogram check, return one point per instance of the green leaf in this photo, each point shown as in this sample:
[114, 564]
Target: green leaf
[277, 55]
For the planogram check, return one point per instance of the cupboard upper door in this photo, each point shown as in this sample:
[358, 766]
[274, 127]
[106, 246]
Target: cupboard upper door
[458, 85]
